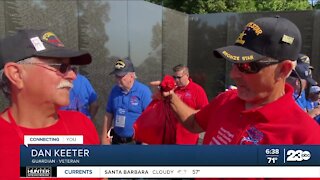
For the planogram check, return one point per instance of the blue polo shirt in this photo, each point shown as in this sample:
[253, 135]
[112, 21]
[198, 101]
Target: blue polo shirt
[311, 105]
[81, 96]
[301, 101]
[126, 107]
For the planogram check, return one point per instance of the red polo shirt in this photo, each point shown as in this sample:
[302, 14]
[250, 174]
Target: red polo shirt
[69, 123]
[195, 97]
[226, 121]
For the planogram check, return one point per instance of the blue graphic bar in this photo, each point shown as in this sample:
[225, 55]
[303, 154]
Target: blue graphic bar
[169, 155]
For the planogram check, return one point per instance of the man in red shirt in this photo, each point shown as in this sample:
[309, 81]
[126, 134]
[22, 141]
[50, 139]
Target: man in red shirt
[261, 110]
[36, 77]
[193, 95]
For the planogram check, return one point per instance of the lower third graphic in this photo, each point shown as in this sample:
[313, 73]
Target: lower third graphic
[298, 155]
[39, 171]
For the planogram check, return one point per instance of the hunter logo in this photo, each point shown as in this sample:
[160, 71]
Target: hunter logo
[40, 171]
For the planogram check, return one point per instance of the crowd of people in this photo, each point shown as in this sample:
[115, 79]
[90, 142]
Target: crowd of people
[275, 99]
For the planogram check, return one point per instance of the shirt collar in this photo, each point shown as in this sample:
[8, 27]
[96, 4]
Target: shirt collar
[271, 111]
[133, 88]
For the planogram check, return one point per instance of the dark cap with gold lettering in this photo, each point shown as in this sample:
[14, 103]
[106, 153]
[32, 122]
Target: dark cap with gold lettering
[273, 37]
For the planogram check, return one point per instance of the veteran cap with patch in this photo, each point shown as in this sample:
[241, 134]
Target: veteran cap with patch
[273, 37]
[122, 67]
[302, 58]
[303, 71]
[38, 43]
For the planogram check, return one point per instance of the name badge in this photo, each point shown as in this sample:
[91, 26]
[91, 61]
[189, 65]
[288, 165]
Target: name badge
[120, 121]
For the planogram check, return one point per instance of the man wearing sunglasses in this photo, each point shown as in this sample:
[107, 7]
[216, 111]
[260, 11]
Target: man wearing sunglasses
[193, 95]
[127, 100]
[36, 77]
[261, 110]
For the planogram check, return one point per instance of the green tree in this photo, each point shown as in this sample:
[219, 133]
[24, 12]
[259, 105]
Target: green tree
[215, 6]
[283, 5]
[317, 5]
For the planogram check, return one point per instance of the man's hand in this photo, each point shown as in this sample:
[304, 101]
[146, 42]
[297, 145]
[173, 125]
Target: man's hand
[163, 94]
[106, 141]
[314, 112]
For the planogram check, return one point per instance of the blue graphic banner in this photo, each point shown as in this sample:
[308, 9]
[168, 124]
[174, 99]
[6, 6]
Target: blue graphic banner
[173, 155]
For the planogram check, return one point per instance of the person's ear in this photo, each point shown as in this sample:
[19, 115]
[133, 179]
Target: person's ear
[13, 72]
[286, 68]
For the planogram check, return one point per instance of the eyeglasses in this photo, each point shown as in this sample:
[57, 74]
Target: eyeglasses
[177, 77]
[256, 66]
[62, 68]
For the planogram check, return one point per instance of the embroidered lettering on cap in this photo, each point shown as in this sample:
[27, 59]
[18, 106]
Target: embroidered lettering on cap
[51, 38]
[37, 44]
[287, 39]
[255, 28]
[247, 58]
[230, 56]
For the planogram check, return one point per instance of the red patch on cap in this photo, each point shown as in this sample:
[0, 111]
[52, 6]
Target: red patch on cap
[51, 38]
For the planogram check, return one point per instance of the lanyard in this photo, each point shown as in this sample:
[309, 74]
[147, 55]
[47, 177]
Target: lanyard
[15, 126]
[19, 131]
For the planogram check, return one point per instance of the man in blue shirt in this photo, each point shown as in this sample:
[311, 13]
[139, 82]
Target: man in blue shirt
[313, 107]
[303, 74]
[127, 100]
[83, 97]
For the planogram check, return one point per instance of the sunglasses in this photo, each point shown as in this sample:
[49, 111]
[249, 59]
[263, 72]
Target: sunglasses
[256, 66]
[177, 77]
[62, 68]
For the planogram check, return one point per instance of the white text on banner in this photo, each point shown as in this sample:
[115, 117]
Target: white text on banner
[53, 139]
[188, 172]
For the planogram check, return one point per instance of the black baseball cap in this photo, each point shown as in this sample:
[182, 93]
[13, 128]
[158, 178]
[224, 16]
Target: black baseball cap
[122, 67]
[302, 58]
[304, 72]
[38, 43]
[273, 37]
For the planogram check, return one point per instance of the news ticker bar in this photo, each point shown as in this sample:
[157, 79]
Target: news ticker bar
[173, 172]
[172, 155]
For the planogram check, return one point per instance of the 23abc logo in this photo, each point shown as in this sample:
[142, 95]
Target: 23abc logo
[298, 155]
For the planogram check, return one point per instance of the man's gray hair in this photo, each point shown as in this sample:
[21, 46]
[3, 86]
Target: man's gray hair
[5, 83]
